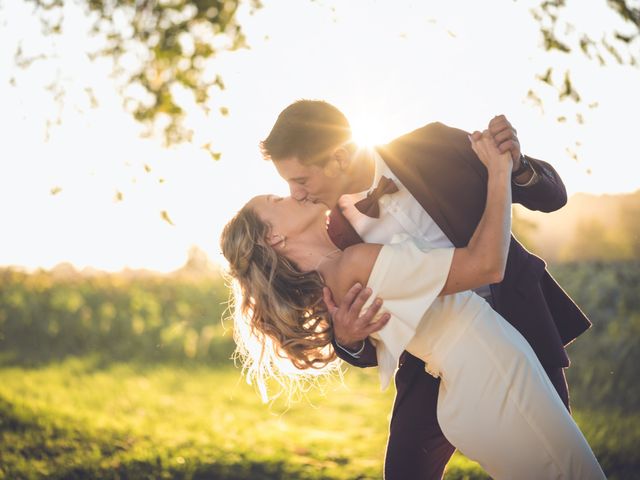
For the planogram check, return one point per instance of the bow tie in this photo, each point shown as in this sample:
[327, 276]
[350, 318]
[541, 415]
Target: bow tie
[369, 205]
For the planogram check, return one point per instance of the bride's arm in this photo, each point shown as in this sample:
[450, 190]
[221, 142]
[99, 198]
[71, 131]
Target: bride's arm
[483, 260]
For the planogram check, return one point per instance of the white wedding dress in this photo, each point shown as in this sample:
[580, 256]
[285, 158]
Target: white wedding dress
[495, 403]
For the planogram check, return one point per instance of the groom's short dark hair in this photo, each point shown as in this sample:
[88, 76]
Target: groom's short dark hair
[308, 130]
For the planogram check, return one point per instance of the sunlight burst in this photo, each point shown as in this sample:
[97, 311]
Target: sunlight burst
[367, 133]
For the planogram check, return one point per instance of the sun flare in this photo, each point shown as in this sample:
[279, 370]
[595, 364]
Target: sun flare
[367, 133]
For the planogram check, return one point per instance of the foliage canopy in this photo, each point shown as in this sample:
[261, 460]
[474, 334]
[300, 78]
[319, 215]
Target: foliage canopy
[162, 47]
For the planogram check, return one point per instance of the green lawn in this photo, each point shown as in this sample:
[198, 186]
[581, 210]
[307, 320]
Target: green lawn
[79, 420]
[72, 420]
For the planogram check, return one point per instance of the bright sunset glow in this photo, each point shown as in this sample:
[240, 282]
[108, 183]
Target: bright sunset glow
[92, 192]
[368, 133]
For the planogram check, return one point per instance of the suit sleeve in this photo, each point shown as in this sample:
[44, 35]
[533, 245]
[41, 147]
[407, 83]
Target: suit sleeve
[548, 194]
[367, 357]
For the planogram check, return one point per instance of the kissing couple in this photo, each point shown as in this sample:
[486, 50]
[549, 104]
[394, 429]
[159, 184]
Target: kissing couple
[414, 270]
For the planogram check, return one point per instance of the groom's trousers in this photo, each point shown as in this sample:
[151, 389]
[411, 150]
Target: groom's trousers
[417, 448]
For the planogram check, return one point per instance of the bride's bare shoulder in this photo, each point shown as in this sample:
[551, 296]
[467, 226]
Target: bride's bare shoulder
[355, 266]
[361, 256]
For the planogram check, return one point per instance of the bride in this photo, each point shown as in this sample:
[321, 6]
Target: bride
[280, 258]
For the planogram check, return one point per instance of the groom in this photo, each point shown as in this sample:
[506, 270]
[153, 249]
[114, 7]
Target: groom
[430, 185]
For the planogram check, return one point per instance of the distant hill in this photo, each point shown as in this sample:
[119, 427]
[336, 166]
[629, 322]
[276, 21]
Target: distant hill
[589, 227]
[197, 267]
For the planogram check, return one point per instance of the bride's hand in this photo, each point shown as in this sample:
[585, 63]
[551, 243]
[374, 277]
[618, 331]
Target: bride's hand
[487, 151]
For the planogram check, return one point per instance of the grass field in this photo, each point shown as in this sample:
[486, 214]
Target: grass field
[76, 420]
[80, 419]
[159, 397]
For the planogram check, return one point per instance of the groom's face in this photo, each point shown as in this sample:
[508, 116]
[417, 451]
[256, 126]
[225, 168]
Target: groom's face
[318, 184]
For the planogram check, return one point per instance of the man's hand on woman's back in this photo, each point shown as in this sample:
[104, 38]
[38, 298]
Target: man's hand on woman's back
[350, 327]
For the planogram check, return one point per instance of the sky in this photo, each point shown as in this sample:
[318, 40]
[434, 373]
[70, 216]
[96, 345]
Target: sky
[390, 70]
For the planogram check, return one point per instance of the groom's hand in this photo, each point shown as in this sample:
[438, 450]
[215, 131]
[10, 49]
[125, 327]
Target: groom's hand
[349, 327]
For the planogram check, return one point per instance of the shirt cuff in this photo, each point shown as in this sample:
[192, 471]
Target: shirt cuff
[353, 354]
[532, 181]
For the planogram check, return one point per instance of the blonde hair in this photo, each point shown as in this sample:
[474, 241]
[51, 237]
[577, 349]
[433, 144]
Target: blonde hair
[282, 328]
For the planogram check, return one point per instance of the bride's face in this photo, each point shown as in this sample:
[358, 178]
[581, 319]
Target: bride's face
[287, 216]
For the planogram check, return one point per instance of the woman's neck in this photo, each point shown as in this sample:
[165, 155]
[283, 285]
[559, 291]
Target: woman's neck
[312, 249]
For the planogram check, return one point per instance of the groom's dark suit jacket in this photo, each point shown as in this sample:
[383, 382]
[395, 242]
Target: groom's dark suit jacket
[439, 168]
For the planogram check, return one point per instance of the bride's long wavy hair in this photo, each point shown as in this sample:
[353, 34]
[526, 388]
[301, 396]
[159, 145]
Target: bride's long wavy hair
[282, 328]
